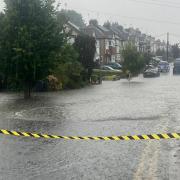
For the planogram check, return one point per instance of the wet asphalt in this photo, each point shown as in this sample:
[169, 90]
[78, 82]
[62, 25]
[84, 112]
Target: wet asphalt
[143, 106]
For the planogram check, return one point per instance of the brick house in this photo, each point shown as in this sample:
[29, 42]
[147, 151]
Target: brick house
[109, 43]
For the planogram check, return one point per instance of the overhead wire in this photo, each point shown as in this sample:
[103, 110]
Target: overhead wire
[155, 4]
[138, 18]
[162, 1]
[157, 36]
[175, 35]
[132, 17]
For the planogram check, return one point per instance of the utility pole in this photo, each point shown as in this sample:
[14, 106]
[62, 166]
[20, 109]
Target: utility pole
[167, 46]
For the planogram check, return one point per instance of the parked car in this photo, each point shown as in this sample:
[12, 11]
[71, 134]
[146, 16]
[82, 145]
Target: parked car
[177, 59]
[108, 68]
[150, 66]
[151, 72]
[176, 69]
[115, 65]
[163, 66]
[110, 73]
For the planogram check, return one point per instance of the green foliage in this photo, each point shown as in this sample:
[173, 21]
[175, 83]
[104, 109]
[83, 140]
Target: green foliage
[69, 70]
[94, 78]
[86, 48]
[68, 54]
[69, 74]
[32, 37]
[62, 18]
[2, 19]
[72, 16]
[133, 60]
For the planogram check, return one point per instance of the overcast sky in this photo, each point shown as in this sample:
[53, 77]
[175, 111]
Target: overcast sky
[154, 17]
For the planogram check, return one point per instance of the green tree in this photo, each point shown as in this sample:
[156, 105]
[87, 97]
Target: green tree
[31, 41]
[86, 48]
[69, 70]
[72, 16]
[1, 33]
[62, 18]
[133, 60]
[1, 22]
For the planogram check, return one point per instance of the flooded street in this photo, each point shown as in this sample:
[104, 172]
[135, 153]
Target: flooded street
[143, 106]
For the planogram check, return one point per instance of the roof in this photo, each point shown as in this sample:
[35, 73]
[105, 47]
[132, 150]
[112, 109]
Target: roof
[102, 28]
[93, 30]
[107, 32]
[76, 28]
[121, 33]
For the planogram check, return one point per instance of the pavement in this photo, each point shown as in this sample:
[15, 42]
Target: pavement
[143, 106]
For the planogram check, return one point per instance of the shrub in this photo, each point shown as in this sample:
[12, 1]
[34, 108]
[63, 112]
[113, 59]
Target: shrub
[133, 60]
[69, 74]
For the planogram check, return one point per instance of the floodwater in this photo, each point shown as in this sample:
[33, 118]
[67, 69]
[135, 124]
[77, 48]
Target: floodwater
[143, 106]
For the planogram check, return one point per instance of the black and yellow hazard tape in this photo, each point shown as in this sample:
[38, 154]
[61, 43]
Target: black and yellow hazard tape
[96, 138]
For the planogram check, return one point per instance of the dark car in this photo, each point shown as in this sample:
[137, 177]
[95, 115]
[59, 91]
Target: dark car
[176, 69]
[115, 66]
[163, 66]
[151, 72]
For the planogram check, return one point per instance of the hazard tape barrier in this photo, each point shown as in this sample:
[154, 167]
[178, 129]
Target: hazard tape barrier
[96, 138]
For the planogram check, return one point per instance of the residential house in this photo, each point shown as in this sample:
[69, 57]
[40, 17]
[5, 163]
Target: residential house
[72, 31]
[93, 31]
[110, 41]
[121, 38]
[109, 44]
[105, 42]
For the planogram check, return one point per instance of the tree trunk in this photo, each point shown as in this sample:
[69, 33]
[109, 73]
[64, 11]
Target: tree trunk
[89, 73]
[27, 92]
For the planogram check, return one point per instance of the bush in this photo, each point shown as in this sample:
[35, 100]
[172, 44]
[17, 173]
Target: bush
[69, 74]
[69, 71]
[96, 79]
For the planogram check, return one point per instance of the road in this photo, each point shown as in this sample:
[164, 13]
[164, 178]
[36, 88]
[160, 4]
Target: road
[143, 106]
